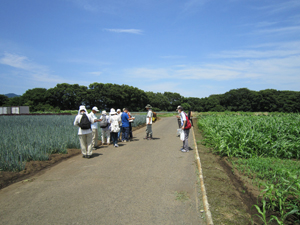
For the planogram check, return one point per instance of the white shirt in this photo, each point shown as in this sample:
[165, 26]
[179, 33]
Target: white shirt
[119, 115]
[94, 117]
[149, 117]
[182, 117]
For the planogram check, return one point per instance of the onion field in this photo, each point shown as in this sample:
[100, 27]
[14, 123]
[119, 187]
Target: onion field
[266, 149]
[27, 138]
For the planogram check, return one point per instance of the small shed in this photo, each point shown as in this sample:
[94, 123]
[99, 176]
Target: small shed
[14, 110]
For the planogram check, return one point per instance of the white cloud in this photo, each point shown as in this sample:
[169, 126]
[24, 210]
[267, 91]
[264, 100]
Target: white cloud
[87, 5]
[192, 4]
[96, 73]
[16, 61]
[173, 57]
[267, 50]
[277, 71]
[131, 31]
[31, 70]
[280, 7]
[279, 30]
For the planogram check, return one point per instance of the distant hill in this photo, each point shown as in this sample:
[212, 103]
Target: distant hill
[11, 95]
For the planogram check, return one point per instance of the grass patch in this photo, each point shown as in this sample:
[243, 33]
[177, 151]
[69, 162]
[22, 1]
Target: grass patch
[182, 196]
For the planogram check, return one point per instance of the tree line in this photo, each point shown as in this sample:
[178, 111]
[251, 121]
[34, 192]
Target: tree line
[105, 96]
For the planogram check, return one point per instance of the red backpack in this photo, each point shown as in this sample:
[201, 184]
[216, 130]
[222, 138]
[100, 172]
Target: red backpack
[188, 124]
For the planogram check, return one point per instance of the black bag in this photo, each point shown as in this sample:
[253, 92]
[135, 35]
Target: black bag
[85, 123]
[103, 123]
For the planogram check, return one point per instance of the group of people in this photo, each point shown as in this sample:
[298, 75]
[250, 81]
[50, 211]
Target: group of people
[114, 126]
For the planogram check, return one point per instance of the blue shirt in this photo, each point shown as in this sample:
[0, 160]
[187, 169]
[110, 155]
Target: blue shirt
[125, 119]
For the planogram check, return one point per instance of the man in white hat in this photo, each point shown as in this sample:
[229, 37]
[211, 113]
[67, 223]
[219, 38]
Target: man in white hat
[94, 127]
[149, 122]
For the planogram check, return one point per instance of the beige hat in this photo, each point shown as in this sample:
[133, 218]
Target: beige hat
[103, 112]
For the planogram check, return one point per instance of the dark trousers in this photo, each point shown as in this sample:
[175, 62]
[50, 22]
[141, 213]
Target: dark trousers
[125, 133]
[130, 130]
[114, 137]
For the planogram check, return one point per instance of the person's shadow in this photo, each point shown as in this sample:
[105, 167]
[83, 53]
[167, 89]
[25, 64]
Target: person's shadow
[95, 155]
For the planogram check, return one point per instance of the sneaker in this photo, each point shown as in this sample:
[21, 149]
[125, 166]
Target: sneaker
[183, 150]
[124, 141]
[116, 145]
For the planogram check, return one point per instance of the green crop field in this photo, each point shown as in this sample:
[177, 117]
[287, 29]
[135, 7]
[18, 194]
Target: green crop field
[26, 138]
[266, 149]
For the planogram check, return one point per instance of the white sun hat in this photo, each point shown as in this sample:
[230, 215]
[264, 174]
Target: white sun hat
[95, 109]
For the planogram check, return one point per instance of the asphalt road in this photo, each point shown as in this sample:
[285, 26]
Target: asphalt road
[141, 182]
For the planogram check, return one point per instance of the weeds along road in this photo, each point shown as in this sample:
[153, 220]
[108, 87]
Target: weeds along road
[141, 182]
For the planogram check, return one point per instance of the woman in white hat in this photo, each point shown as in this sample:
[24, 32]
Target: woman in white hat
[84, 121]
[105, 127]
[115, 121]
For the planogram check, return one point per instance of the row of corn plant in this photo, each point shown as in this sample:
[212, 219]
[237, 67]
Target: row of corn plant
[250, 136]
[267, 150]
[280, 181]
[26, 138]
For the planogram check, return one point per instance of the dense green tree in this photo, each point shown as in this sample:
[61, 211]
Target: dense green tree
[3, 99]
[268, 101]
[238, 100]
[174, 99]
[34, 97]
[15, 101]
[106, 96]
[66, 96]
[158, 100]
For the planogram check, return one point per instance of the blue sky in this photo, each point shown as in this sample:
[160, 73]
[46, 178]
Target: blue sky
[192, 47]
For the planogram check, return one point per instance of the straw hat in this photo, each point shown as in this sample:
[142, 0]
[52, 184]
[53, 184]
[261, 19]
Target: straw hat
[148, 106]
[103, 112]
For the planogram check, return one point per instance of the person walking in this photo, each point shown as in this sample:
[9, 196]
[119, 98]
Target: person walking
[178, 117]
[94, 127]
[105, 129]
[149, 122]
[84, 121]
[125, 125]
[131, 119]
[114, 126]
[190, 116]
[185, 126]
[119, 113]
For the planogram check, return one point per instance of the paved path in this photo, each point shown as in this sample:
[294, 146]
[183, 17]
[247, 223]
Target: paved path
[137, 183]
